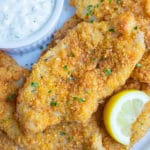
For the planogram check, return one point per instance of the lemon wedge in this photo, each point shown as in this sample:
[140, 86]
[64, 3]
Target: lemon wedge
[121, 112]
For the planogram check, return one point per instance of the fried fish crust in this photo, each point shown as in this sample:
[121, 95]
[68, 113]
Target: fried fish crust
[64, 136]
[11, 76]
[6, 143]
[72, 78]
[142, 70]
[96, 10]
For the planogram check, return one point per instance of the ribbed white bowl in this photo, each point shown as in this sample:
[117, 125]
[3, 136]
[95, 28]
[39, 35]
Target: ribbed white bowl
[39, 37]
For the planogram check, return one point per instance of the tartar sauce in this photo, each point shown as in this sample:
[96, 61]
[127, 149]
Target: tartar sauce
[21, 18]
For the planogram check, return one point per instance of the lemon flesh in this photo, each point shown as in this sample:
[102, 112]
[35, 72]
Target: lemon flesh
[121, 112]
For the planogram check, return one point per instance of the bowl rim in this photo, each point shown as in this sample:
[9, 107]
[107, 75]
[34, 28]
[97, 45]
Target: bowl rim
[37, 36]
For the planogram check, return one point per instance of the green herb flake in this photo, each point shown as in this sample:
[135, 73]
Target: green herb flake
[89, 10]
[111, 30]
[66, 69]
[119, 1]
[135, 28]
[110, 1]
[71, 54]
[12, 97]
[53, 103]
[62, 133]
[4, 120]
[70, 138]
[139, 65]
[79, 99]
[107, 71]
[34, 84]
[50, 91]
[41, 47]
[94, 59]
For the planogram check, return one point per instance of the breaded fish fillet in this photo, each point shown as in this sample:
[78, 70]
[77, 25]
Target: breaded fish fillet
[98, 10]
[139, 128]
[65, 136]
[6, 143]
[70, 79]
[142, 70]
[11, 76]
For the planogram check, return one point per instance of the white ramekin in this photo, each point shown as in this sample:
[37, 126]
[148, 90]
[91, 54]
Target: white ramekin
[39, 37]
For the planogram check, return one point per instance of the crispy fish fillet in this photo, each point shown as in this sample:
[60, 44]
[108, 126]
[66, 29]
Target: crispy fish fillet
[70, 79]
[6, 143]
[139, 128]
[11, 76]
[65, 136]
[97, 10]
[142, 70]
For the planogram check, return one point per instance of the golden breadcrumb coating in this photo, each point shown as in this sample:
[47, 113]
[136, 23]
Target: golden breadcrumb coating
[6, 143]
[66, 136]
[71, 79]
[142, 70]
[11, 76]
[97, 10]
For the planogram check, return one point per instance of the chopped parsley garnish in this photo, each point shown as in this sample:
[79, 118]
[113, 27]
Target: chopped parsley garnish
[79, 99]
[135, 28]
[41, 47]
[62, 133]
[66, 69]
[71, 54]
[12, 97]
[72, 78]
[94, 59]
[111, 30]
[70, 138]
[49, 91]
[110, 1]
[89, 10]
[107, 71]
[139, 65]
[53, 103]
[119, 1]
[4, 120]
[34, 84]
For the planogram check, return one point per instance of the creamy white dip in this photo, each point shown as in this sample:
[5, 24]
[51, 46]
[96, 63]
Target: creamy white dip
[21, 18]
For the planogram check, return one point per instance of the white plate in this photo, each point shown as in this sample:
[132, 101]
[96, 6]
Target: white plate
[28, 59]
